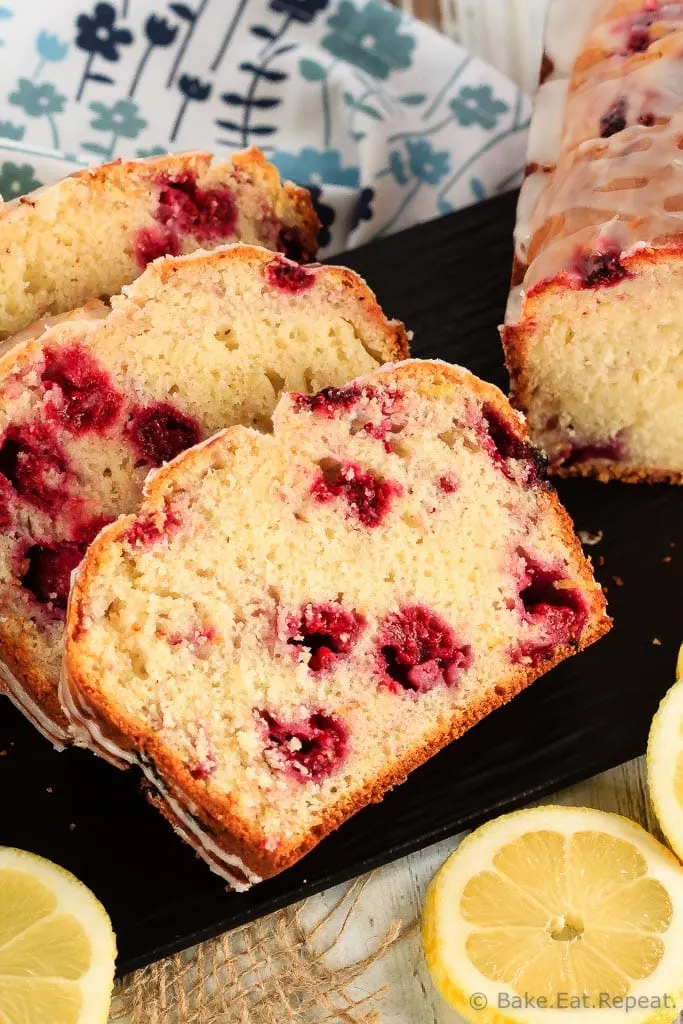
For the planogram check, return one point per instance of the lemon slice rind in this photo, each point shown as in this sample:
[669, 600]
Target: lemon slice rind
[664, 748]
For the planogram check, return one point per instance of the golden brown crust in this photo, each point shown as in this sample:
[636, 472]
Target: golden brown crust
[231, 833]
[29, 682]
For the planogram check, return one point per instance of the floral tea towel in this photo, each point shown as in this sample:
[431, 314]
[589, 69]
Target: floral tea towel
[386, 121]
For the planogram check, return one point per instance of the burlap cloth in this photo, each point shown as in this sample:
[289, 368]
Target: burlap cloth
[282, 968]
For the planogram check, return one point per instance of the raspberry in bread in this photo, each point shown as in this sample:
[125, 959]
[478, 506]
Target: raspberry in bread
[94, 232]
[594, 327]
[87, 409]
[294, 621]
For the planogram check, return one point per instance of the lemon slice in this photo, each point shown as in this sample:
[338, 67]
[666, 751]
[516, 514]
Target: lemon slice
[665, 762]
[558, 913]
[57, 947]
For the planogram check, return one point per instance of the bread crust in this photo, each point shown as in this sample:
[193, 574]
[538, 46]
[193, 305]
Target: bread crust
[96, 714]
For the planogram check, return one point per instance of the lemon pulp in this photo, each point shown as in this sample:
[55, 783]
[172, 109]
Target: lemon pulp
[573, 914]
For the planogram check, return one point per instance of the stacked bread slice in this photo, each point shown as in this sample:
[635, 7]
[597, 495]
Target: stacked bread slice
[295, 620]
[94, 232]
[90, 406]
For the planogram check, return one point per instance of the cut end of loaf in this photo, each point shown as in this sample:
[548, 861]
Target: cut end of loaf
[593, 335]
[597, 365]
[294, 621]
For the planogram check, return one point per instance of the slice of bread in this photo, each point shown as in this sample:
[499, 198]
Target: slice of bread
[87, 409]
[95, 231]
[294, 621]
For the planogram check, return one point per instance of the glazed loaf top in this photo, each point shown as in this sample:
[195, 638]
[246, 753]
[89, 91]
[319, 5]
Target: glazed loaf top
[605, 157]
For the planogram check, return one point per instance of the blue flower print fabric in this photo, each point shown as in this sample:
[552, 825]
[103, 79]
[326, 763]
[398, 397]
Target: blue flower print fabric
[386, 122]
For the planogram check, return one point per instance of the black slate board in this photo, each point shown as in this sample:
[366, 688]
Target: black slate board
[448, 281]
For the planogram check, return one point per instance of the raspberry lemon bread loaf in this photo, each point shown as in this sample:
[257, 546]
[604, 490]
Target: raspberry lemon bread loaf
[95, 231]
[294, 621]
[88, 408]
[594, 328]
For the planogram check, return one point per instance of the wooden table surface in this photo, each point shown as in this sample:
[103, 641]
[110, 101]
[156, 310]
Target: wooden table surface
[508, 34]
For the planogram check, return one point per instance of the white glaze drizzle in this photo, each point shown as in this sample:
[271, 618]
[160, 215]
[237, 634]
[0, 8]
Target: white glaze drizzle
[57, 736]
[86, 732]
[545, 132]
[622, 192]
[566, 26]
[199, 838]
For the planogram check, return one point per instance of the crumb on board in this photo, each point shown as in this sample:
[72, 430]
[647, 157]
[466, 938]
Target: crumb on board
[656, 642]
[48, 789]
[589, 538]
[72, 826]
[601, 560]
[667, 558]
[618, 582]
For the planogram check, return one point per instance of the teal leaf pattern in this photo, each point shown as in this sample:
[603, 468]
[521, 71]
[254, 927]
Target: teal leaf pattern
[311, 70]
[151, 151]
[9, 130]
[398, 167]
[95, 147]
[362, 108]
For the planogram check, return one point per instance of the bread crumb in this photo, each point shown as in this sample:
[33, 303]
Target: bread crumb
[601, 559]
[588, 538]
[618, 581]
[667, 558]
[656, 642]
